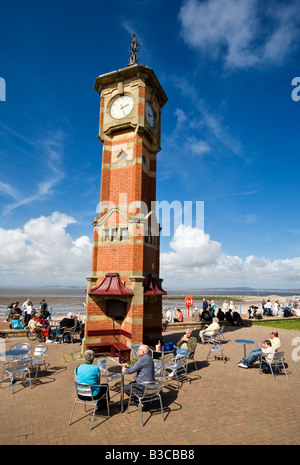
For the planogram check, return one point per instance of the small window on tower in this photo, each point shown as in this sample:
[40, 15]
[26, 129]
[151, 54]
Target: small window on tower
[114, 234]
[123, 234]
[106, 234]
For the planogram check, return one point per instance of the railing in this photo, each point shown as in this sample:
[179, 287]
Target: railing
[186, 312]
[3, 310]
[57, 313]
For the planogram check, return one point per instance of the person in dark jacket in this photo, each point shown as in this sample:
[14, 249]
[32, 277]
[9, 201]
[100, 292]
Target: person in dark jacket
[144, 369]
[69, 322]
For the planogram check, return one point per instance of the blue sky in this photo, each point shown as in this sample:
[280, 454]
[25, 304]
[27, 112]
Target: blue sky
[230, 135]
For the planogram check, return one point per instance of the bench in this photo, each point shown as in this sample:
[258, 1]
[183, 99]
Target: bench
[108, 332]
[115, 348]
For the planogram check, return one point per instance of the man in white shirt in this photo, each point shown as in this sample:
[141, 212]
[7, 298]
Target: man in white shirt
[275, 341]
[256, 353]
[26, 307]
[268, 308]
[276, 308]
[169, 316]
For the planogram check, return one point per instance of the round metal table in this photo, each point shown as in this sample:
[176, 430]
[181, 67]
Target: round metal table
[245, 342]
[14, 352]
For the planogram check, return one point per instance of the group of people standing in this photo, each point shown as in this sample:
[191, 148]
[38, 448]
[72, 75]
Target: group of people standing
[14, 313]
[208, 311]
[272, 309]
[227, 312]
[39, 321]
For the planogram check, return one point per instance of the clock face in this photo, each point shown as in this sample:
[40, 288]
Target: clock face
[121, 106]
[150, 115]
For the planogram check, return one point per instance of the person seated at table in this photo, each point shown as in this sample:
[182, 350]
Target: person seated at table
[144, 369]
[12, 310]
[287, 312]
[196, 314]
[228, 317]
[267, 353]
[252, 312]
[237, 319]
[37, 327]
[15, 324]
[46, 326]
[205, 315]
[68, 322]
[179, 316]
[255, 354]
[186, 344]
[169, 316]
[220, 315]
[210, 330]
[88, 373]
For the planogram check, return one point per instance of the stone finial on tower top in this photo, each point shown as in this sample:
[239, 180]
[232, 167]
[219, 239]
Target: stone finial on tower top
[134, 48]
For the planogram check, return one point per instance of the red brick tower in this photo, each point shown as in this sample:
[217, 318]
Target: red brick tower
[124, 294]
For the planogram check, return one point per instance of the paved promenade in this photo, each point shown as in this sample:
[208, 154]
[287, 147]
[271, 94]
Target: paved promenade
[224, 404]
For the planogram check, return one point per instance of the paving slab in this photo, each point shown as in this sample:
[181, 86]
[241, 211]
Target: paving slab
[223, 405]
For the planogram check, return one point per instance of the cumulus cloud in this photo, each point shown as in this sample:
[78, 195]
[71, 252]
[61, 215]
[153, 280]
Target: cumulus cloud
[236, 31]
[195, 261]
[42, 252]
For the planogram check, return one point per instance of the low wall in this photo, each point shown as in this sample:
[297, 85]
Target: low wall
[11, 333]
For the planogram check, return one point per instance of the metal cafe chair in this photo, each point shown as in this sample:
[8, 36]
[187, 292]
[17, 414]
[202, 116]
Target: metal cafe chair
[220, 335]
[38, 358]
[215, 346]
[85, 396]
[276, 363]
[107, 372]
[21, 346]
[64, 334]
[191, 356]
[159, 367]
[176, 366]
[134, 351]
[151, 393]
[16, 367]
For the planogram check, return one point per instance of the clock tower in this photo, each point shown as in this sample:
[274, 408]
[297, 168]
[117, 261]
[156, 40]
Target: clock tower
[124, 293]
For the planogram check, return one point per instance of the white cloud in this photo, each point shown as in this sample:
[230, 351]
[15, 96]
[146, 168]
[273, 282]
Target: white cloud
[236, 30]
[196, 262]
[43, 253]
